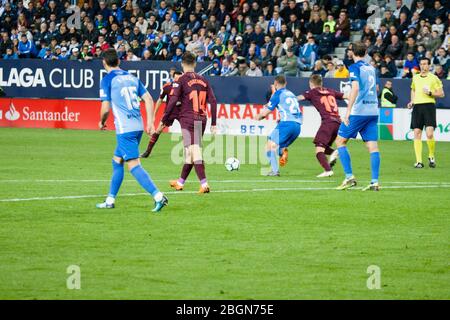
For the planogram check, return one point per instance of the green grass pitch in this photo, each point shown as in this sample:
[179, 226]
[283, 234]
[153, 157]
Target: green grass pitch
[253, 240]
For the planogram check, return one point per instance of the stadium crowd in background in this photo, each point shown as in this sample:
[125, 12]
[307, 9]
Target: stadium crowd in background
[238, 37]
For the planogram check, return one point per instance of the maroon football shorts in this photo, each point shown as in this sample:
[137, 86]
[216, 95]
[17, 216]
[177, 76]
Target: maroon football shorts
[192, 130]
[326, 134]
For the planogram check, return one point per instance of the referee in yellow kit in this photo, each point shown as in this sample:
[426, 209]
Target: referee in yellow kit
[425, 88]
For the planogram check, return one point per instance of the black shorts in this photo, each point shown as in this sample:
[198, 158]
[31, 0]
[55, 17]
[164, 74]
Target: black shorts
[326, 134]
[423, 115]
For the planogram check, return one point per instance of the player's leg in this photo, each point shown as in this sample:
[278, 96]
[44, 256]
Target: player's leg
[375, 161]
[116, 182]
[272, 148]
[430, 125]
[153, 139]
[418, 148]
[345, 133]
[417, 124]
[333, 153]
[321, 140]
[323, 161]
[369, 134]
[146, 182]
[188, 159]
[346, 162]
[271, 153]
[131, 156]
[197, 157]
[431, 142]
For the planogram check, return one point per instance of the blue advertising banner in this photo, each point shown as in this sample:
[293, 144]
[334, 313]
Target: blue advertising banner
[81, 80]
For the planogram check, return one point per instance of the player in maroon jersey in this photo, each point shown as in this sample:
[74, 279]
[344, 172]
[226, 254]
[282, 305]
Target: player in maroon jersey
[324, 100]
[194, 92]
[165, 92]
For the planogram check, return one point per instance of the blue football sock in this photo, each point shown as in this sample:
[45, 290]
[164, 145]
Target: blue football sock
[375, 166]
[116, 179]
[344, 156]
[144, 180]
[271, 155]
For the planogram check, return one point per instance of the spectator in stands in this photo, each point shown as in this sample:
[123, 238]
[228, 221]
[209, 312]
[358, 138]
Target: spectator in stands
[395, 48]
[348, 58]
[435, 42]
[411, 66]
[74, 54]
[379, 46]
[389, 19]
[319, 69]
[269, 70]
[64, 55]
[277, 50]
[390, 62]
[325, 41]
[233, 71]
[316, 25]
[276, 21]
[307, 55]
[10, 54]
[439, 71]
[331, 70]
[287, 64]
[442, 59]
[341, 71]
[408, 46]
[342, 29]
[368, 33]
[438, 11]
[254, 70]
[400, 8]
[384, 34]
[242, 67]
[86, 54]
[331, 23]
[384, 71]
[25, 47]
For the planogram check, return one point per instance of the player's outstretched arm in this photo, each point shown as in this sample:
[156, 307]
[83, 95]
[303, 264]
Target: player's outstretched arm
[301, 98]
[211, 98]
[411, 103]
[157, 106]
[104, 113]
[351, 100]
[439, 93]
[148, 101]
[264, 113]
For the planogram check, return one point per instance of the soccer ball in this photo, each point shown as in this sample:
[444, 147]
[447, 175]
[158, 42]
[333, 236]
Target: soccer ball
[232, 164]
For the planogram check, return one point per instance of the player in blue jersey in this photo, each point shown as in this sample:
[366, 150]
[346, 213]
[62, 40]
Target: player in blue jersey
[361, 117]
[287, 130]
[120, 91]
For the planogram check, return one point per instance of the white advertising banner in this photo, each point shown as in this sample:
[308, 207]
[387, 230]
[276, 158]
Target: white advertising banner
[237, 119]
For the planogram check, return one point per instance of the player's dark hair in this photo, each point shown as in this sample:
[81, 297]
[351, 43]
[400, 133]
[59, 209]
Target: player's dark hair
[359, 49]
[425, 58]
[111, 58]
[188, 59]
[280, 79]
[316, 79]
[177, 73]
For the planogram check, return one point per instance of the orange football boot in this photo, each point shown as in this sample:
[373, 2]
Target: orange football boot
[174, 184]
[284, 158]
[204, 189]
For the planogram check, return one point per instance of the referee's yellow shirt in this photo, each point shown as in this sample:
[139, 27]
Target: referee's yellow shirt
[430, 81]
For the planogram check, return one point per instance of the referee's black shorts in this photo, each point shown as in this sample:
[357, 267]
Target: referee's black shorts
[423, 115]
